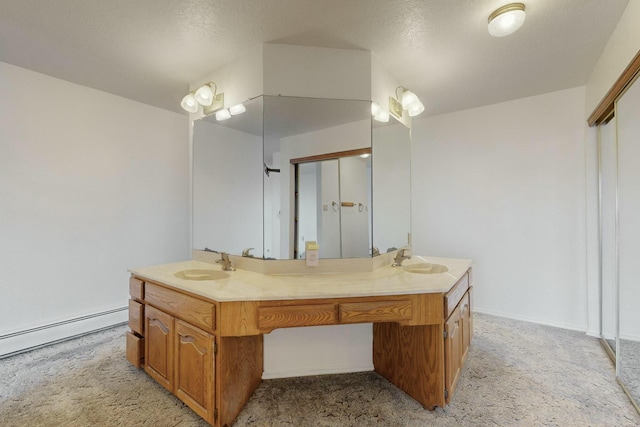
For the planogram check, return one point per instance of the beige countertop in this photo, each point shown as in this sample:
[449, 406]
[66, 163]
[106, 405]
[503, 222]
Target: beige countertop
[244, 285]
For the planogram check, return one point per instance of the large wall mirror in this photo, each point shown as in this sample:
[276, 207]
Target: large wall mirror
[627, 114]
[352, 190]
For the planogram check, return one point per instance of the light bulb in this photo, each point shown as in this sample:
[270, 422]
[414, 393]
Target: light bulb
[375, 108]
[416, 109]
[506, 20]
[408, 99]
[382, 116]
[204, 95]
[222, 114]
[365, 155]
[237, 109]
[189, 103]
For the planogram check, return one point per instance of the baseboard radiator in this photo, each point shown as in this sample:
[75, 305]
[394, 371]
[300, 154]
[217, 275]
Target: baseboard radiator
[41, 336]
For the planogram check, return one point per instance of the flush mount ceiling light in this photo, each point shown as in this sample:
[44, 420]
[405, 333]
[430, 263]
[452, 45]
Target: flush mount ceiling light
[506, 19]
[405, 100]
[207, 96]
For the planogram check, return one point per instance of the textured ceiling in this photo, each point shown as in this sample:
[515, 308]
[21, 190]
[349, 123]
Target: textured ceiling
[150, 50]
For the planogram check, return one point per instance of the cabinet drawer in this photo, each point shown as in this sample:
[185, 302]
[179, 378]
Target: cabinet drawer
[135, 350]
[192, 310]
[379, 311]
[270, 318]
[453, 297]
[136, 317]
[136, 288]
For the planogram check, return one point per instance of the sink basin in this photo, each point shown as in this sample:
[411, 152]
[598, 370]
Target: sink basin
[426, 268]
[201, 274]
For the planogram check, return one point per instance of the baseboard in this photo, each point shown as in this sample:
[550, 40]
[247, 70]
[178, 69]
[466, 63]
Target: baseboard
[630, 337]
[305, 372]
[528, 319]
[29, 339]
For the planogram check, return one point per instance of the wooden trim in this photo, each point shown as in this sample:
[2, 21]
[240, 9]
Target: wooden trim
[604, 110]
[329, 156]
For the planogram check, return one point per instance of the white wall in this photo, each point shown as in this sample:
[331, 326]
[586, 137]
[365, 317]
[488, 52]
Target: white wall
[504, 184]
[316, 72]
[91, 184]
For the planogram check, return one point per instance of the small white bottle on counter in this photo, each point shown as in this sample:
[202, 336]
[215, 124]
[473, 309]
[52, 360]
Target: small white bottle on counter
[311, 253]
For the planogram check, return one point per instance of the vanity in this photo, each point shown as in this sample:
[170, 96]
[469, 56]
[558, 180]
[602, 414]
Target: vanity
[198, 330]
[289, 174]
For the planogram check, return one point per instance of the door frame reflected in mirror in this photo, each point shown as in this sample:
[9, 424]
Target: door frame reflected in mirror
[336, 206]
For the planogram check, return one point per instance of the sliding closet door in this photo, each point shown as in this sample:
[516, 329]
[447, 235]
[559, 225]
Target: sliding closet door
[608, 267]
[628, 135]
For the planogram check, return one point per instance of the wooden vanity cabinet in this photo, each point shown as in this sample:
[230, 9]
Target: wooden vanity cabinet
[135, 338]
[210, 353]
[172, 350]
[425, 361]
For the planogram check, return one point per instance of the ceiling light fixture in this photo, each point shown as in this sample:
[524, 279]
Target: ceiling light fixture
[207, 95]
[405, 100]
[506, 19]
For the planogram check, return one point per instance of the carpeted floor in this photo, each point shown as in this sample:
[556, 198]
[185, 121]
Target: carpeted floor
[629, 370]
[518, 374]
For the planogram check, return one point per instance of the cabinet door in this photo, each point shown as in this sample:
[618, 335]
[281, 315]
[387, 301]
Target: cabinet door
[195, 370]
[467, 325]
[453, 348]
[159, 327]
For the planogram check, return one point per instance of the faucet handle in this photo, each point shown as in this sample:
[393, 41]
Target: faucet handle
[400, 256]
[246, 253]
[225, 261]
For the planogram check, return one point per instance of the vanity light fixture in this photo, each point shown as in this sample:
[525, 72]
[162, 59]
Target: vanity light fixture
[506, 19]
[405, 100]
[207, 95]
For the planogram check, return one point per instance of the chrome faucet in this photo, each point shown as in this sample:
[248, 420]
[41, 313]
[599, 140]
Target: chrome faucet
[225, 261]
[246, 253]
[400, 256]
